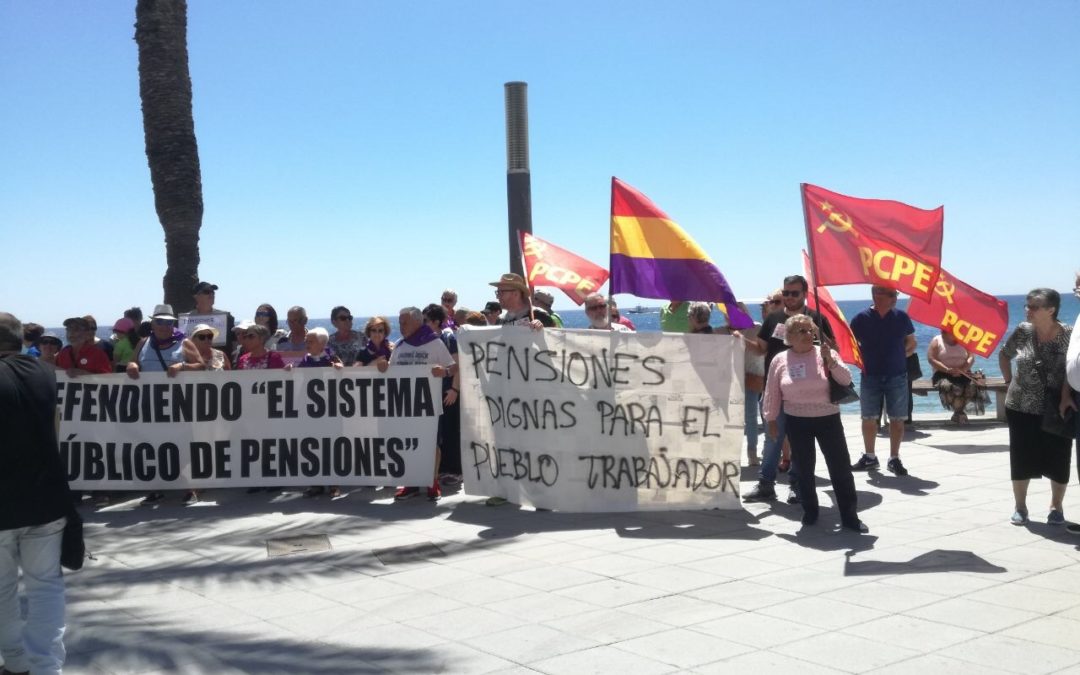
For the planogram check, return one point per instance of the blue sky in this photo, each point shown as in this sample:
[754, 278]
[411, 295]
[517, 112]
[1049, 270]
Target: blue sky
[354, 152]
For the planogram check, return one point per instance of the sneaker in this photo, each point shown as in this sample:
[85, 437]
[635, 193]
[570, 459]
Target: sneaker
[434, 492]
[191, 497]
[865, 463]
[1072, 528]
[793, 497]
[406, 493]
[1056, 517]
[152, 498]
[856, 526]
[1019, 518]
[896, 466]
[495, 501]
[762, 492]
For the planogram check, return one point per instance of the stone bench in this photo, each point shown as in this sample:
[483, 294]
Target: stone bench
[994, 384]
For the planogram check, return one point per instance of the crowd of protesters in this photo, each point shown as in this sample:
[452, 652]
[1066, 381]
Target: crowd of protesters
[212, 340]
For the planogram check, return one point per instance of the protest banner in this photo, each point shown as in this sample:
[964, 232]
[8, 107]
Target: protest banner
[594, 421]
[309, 426]
[217, 319]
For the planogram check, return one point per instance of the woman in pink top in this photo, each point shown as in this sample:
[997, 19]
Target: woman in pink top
[957, 384]
[798, 381]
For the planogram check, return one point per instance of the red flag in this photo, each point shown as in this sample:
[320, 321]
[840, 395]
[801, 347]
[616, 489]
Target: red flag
[846, 344]
[873, 241]
[548, 265]
[977, 320]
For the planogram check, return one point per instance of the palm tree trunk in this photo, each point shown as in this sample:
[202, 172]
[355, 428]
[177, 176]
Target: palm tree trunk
[171, 149]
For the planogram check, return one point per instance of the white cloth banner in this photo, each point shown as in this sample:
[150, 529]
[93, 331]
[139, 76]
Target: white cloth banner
[308, 426]
[586, 421]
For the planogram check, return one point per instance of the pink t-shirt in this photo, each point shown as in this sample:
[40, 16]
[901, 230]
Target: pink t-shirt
[798, 382]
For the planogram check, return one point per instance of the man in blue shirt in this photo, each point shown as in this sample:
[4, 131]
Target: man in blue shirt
[886, 337]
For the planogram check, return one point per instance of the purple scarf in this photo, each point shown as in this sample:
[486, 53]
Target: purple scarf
[177, 336]
[422, 336]
[382, 350]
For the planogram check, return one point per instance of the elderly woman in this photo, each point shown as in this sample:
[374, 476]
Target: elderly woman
[1039, 346]
[345, 343]
[378, 347]
[256, 356]
[203, 335]
[317, 356]
[798, 380]
[50, 345]
[165, 350]
[957, 385]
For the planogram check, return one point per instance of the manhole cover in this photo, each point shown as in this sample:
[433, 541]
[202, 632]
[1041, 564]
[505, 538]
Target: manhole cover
[307, 543]
[413, 553]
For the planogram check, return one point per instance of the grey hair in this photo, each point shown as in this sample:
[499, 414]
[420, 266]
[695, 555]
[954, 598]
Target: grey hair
[413, 312]
[262, 331]
[794, 320]
[699, 311]
[596, 296]
[452, 293]
[11, 333]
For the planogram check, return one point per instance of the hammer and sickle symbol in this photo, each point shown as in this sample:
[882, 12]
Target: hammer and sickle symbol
[842, 224]
[945, 290]
[534, 248]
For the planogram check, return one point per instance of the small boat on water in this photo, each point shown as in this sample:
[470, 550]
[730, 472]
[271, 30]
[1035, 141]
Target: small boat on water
[641, 310]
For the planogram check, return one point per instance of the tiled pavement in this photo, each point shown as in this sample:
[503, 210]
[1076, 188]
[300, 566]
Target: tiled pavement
[942, 583]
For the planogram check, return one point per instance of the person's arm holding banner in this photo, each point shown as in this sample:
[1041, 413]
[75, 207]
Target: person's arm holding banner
[192, 359]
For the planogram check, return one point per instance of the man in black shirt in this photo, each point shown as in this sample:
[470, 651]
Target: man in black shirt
[770, 341]
[33, 502]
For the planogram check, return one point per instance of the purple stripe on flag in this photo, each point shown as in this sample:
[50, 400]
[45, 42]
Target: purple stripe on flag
[671, 279]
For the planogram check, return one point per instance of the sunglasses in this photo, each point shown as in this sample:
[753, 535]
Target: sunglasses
[377, 330]
[1034, 307]
[791, 294]
[163, 322]
[204, 337]
[266, 314]
[344, 317]
[891, 294]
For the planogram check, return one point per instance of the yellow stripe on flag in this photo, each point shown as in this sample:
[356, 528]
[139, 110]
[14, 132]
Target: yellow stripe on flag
[656, 238]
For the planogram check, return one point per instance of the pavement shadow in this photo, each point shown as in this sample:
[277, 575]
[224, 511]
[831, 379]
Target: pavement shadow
[908, 485]
[936, 561]
[509, 521]
[115, 641]
[821, 537]
[971, 448]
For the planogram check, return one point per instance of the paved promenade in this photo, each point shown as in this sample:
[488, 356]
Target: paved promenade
[943, 582]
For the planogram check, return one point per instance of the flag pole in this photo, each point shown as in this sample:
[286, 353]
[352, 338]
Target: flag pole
[810, 254]
[525, 272]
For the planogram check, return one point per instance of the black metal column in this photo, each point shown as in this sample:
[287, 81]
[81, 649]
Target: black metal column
[518, 182]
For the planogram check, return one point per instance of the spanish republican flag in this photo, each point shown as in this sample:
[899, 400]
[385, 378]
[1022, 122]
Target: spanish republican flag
[819, 298]
[873, 241]
[977, 320]
[548, 265]
[652, 257]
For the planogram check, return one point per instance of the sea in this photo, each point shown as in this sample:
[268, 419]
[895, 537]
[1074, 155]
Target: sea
[647, 318]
